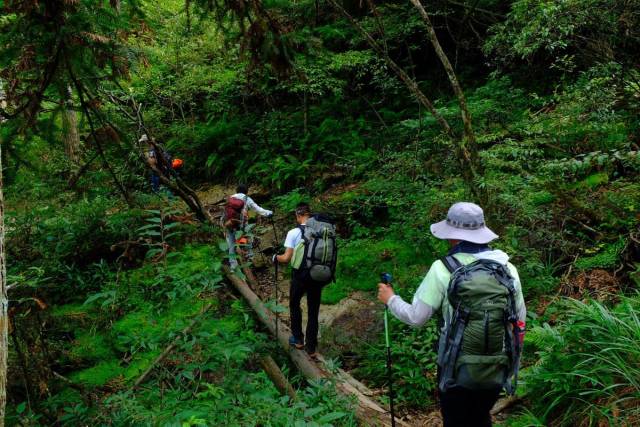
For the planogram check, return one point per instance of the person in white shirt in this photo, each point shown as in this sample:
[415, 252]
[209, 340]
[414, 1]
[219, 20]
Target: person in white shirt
[300, 286]
[231, 233]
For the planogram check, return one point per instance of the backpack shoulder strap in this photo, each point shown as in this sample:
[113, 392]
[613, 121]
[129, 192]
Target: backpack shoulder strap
[451, 263]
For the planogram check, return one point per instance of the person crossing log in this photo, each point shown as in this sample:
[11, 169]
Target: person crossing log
[368, 411]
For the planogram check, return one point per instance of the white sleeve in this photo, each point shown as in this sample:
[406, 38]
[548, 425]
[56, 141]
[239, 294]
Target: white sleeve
[520, 306]
[290, 240]
[415, 314]
[254, 207]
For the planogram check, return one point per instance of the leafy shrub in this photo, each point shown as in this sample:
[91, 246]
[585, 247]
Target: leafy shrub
[588, 366]
[362, 261]
[413, 362]
[608, 256]
[64, 240]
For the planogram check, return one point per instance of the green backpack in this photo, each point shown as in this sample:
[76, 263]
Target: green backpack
[479, 347]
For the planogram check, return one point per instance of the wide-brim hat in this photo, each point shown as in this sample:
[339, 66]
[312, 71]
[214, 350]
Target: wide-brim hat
[465, 221]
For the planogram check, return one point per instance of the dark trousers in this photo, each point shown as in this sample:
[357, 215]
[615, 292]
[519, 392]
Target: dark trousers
[155, 182]
[300, 287]
[462, 407]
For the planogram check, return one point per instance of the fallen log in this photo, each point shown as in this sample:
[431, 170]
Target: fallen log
[368, 411]
[276, 376]
[302, 360]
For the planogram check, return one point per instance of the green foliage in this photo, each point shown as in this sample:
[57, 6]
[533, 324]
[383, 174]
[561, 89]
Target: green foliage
[362, 262]
[607, 256]
[414, 363]
[220, 404]
[288, 202]
[555, 123]
[99, 374]
[92, 346]
[588, 365]
[571, 33]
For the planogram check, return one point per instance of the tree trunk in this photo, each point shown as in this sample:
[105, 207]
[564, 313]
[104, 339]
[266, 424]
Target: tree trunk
[70, 134]
[4, 306]
[465, 150]
[115, 4]
[468, 149]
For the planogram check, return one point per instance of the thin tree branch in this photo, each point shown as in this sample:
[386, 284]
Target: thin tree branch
[408, 81]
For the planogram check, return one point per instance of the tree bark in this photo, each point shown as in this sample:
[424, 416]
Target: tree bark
[70, 134]
[467, 146]
[4, 308]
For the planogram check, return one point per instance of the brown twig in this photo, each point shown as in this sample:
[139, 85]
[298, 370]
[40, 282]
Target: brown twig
[171, 346]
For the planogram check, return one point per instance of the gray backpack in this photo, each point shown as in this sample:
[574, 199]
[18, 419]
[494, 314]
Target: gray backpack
[479, 348]
[317, 253]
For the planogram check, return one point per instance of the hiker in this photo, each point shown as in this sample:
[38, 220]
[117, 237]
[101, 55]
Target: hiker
[153, 162]
[234, 219]
[166, 167]
[311, 249]
[485, 327]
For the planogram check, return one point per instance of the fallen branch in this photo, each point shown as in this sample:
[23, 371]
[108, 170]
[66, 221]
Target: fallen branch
[504, 403]
[277, 377]
[171, 346]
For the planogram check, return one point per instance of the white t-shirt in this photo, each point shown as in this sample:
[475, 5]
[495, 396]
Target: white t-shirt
[294, 236]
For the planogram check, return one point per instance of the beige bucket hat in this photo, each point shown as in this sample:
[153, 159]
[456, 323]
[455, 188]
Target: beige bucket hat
[465, 221]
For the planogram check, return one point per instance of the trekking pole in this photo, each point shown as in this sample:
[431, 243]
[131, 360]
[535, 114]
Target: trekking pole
[275, 232]
[275, 281]
[386, 279]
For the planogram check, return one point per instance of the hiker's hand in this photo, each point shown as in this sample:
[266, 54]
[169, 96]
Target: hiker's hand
[385, 292]
[274, 259]
[269, 215]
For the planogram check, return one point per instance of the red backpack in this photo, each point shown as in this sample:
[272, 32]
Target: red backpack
[233, 213]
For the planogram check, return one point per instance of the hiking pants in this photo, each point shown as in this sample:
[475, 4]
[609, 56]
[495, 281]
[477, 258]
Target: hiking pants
[155, 182]
[232, 237]
[461, 407]
[231, 242]
[299, 287]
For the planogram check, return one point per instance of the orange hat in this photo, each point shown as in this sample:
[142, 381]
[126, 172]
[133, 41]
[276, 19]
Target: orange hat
[177, 163]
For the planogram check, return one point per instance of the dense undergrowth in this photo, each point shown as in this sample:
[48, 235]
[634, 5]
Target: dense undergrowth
[110, 327]
[291, 97]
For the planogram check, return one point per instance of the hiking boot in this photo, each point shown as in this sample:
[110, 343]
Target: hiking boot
[293, 342]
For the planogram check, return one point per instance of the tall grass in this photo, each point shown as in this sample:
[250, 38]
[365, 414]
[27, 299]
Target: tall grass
[589, 366]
